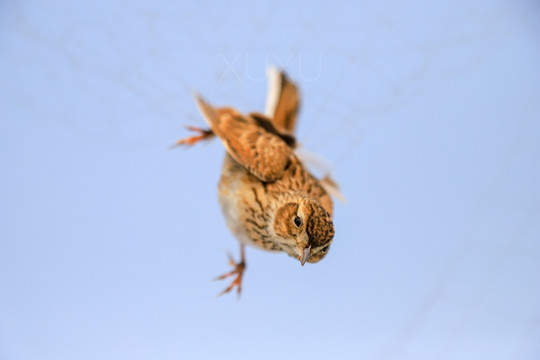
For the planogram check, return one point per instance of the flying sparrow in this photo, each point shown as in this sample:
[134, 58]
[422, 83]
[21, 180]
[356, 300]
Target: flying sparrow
[269, 199]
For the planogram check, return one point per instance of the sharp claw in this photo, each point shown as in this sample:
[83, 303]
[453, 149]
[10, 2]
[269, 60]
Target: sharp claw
[236, 282]
[187, 141]
[231, 260]
[224, 276]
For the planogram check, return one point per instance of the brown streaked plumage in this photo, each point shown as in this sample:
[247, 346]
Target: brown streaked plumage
[269, 199]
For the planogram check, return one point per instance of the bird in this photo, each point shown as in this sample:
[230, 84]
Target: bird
[269, 199]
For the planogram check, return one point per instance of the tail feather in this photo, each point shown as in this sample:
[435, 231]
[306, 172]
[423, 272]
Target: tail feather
[283, 101]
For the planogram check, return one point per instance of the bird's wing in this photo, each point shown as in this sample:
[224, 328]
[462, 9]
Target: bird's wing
[283, 101]
[261, 152]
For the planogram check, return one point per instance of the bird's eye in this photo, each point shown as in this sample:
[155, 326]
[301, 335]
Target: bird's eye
[297, 221]
[325, 249]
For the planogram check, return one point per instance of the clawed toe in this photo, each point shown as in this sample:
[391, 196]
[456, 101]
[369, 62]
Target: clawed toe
[192, 140]
[238, 271]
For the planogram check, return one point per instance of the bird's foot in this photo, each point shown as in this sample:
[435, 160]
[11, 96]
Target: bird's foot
[192, 140]
[238, 270]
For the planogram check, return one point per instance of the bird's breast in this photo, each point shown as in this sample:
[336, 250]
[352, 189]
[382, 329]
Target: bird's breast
[244, 202]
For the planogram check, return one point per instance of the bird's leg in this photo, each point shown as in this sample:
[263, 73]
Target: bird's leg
[192, 140]
[238, 271]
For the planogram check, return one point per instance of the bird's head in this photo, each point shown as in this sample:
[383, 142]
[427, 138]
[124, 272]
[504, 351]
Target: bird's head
[304, 229]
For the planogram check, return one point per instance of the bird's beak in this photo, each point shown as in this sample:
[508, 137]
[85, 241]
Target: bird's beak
[305, 255]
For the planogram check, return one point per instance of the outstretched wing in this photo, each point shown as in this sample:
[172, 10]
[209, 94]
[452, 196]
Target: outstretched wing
[261, 152]
[283, 101]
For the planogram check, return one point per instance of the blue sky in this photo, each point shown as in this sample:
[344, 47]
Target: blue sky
[426, 114]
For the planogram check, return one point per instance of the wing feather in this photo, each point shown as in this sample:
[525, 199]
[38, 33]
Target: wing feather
[261, 152]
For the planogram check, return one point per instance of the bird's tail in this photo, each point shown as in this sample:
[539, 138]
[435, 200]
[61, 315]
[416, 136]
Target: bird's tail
[282, 101]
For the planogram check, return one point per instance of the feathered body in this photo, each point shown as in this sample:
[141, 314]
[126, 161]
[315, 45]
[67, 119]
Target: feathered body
[269, 199]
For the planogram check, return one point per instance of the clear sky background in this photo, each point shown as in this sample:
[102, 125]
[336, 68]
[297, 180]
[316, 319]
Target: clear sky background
[427, 114]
